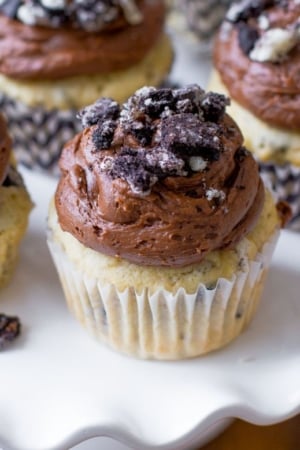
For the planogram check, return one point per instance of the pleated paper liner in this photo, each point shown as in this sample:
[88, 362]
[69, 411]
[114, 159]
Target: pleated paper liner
[165, 325]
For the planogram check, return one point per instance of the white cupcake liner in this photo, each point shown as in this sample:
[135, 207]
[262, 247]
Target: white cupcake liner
[284, 182]
[39, 134]
[164, 325]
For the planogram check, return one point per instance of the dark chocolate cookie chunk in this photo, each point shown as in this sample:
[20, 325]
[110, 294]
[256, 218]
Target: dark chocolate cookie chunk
[102, 109]
[186, 135]
[158, 133]
[247, 37]
[242, 11]
[10, 328]
[142, 169]
[213, 106]
[104, 134]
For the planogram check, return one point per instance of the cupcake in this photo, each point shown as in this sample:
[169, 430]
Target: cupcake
[56, 57]
[199, 19]
[257, 63]
[161, 229]
[15, 206]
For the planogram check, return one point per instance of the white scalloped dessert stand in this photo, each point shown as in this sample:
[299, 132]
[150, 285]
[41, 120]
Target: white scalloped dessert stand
[58, 387]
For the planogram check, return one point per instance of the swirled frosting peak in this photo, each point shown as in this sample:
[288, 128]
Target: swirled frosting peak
[76, 38]
[90, 15]
[160, 180]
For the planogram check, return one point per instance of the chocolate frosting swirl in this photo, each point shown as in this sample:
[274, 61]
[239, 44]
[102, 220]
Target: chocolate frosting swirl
[180, 187]
[5, 149]
[32, 52]
[270, 90]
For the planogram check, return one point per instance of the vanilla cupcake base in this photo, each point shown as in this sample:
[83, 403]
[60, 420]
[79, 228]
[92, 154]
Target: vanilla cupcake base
[134, 311]
[41, 115]
[15, 206]
[267, 142]
[277, 152]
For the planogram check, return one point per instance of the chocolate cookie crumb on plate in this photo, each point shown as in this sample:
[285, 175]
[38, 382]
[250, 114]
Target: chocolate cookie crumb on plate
[10, 329]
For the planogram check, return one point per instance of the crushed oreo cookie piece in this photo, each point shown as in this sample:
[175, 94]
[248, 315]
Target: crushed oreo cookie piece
[189, 99]
[142, 169]
[275, 44]
[186, 135]
[247, 37]
[260, 42]
[90, 15]
[213, 106]
[244, 10]
[104, 133]
[155, 101]
[130, 165]
[102, 109]
[34, 13]
[143, 132]
[10, 329]
[159, 103]
[161, 133]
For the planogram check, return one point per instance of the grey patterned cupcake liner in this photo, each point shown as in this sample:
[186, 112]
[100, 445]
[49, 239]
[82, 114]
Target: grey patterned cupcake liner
[284, 181]
[39, 134]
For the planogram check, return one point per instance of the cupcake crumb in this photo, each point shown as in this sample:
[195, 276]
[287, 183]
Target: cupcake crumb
[10, 329]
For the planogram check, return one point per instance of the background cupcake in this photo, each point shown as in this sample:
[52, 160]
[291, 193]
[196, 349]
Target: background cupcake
[56, 57]
[257, 61]
[15, 206]
[199, 19]
[161, 230]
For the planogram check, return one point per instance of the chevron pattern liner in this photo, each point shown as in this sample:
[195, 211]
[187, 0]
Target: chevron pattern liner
[284, 181]
[39, 134]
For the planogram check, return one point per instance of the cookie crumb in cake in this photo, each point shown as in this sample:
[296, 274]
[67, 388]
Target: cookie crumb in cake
[10, 328]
